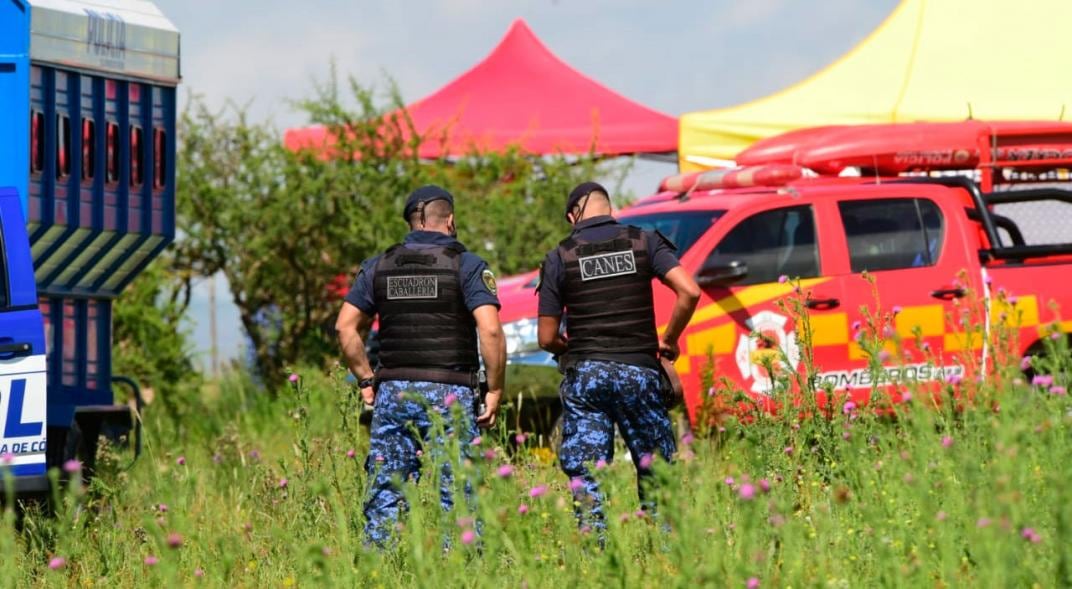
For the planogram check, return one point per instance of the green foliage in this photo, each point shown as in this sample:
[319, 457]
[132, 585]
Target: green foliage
[282, 225]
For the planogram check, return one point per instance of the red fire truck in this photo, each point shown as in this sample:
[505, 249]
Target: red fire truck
[927, 213]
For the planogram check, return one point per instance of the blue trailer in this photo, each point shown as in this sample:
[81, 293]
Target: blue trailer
[87, 200]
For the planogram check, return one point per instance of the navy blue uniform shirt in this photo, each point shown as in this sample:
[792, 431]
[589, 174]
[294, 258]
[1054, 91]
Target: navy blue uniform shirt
[474, 289]
[553, 275]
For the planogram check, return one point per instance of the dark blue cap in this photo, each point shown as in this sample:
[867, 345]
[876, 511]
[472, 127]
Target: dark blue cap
[582, 190]
[423, 195]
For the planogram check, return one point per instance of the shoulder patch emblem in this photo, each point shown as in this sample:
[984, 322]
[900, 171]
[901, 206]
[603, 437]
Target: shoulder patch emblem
[489, 282]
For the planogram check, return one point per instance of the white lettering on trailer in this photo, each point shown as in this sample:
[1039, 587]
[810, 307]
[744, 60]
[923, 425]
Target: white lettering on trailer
[865, 378]
[23, 409]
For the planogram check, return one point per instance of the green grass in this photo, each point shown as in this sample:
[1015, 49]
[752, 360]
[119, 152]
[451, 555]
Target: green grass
[954, 493]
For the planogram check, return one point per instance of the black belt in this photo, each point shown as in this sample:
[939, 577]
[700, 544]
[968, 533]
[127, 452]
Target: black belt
[440, 375]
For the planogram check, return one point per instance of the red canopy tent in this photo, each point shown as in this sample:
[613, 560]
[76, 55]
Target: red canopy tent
[522, 94]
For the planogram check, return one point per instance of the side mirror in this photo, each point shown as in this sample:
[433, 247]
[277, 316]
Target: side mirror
[721, 273]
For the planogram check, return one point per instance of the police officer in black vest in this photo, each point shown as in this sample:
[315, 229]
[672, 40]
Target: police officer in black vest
[433, 298]
[601, 275]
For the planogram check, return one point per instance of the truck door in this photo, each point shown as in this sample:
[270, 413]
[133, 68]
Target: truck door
[913, 248]
[739, 322]
[23, 394]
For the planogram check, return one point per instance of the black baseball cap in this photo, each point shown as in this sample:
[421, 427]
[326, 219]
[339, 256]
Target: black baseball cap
[582, 190]
[423, 195]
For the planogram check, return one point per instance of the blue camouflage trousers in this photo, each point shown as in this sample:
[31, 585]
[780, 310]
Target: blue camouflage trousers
[596, 396]
[402, 431]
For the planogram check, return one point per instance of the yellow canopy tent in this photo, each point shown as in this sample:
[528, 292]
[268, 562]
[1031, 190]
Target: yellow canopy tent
[930, 60]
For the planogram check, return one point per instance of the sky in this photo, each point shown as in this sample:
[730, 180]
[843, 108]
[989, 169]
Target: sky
[675, 56]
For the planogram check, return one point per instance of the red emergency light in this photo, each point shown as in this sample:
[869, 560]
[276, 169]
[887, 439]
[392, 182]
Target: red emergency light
[744, 177]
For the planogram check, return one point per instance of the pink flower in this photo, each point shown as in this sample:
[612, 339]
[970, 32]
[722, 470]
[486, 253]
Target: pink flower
[906, 396]
[464, 522]
[856, 325]
[7, 458]
[947, 441]
[601, 464]
[764, 485]
[988, 280]
[151, 560]
[940, 516]
[520, 439]
[639, 514]
[1042, 380]
[162, 508]
[848, 407]
[538, 491]
[624, 517]
[419, 453]
[181, 461]
[468, 536]
[887, 331]
[788, 450]
[982, 522]
[72, 466]
[845, 435]
[254, 454]
[489, 454]
[729, 481]
[1013, 299]
[1030, 535]
[926, 347]
[896, 309]
[351, 453]
[883, 356]
[747, 491]
[1055, 335]
[380, 458]
[57, 563]
[199, 572]
[506, 471]
[293, 377]
[783, 279]
[646, 460]
[576, 484]
[687, 439]
[283, 482]
[953, 379]
[753, 583]
[522, 509]
[174, 540]
[450, 399]
[1058, 390]
[477, 441]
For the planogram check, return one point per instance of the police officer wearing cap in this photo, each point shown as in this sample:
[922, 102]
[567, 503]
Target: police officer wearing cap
[433, 298]
[600, 279]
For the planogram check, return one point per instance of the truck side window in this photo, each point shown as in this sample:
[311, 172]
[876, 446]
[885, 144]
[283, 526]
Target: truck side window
[889, 234]
[774, 243]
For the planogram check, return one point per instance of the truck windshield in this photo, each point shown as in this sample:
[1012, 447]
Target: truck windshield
[683, 227]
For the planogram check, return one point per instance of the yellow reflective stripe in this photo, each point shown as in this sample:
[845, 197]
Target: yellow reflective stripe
[682, 364]
[929, 318]
[829, 329]
[747, 297]
[718, 340]
[957, 342]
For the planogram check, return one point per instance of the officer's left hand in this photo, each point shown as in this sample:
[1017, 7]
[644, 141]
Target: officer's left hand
[368, 396]
[491, 408]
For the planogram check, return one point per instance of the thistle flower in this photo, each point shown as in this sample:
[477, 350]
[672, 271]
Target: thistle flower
[856, 325]
[1030, 535]
[729, 481]
[351, 453]
[7, 458]
[181, 461]
[896, 309]
[522, 509]
[646, 460]
[1058, 390]
[753, 583]
[1042, 380]
[174, 540]
[199, 572]
[520, 438]
[72, 466]
[506, 471]
[783, 279]
[450, 399]
[764, 485]
[576, 484]
[687, 439]
[747, 492]
[953, 379]
[151, 560]
[538, 491]
[883, 356]
[982, 522]
[468, 536]
[947, 441]
[283, 482]
[848, 407]
[293, 377]
[601, 464]
[57, 563]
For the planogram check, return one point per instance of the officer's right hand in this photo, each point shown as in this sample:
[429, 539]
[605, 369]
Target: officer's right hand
[491, 408]
[368, 396]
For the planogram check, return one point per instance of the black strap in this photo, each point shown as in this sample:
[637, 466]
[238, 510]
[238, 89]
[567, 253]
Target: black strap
[439, 375]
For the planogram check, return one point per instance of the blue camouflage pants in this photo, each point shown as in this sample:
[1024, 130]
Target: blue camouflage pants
[596, 396]
[402, 430]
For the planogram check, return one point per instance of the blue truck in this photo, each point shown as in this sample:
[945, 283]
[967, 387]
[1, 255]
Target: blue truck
[87, 200]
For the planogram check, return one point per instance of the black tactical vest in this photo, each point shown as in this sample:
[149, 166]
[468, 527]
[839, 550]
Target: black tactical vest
[424, 323]
[607, 295]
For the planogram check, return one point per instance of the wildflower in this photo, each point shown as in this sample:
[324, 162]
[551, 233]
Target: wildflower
[255, 454]
[887, 331]
[1013, 300]
[379, 458]
[1030, 535]
[856, 325]
[646, 460]
[57, 563]
[181, 461]
[729, 481]
[883, 356]
[783, 279]
[747, 492]
[162, 508]
[601, 464]
[1042, 380]
[477, 441]
[982, 522]
[926, 347]
[896, 309]
[506, 471]
[988, 280]
[947, 441]
[326, 551]
[624, 517]
[522, 509]
[687, 439]
[788, 450]
[199, 572]
[351, 453]
[72, 466]
[940, 516]
[293, 377]
[753, 583]
[906, 396]
[216, 458]
[1058, 390]
[7, 458]
[764, 485]
[576, 484]
[283, 482]
[586, 529]
[450, 399]
[845, 435]
[953, 379]
[174, 540]
[464, 522]
[639, 514]
[151, 560]
[520, 439]
[419, 453]
[468, 536]
[848, 407]
[538, 491]
[1055, 335]
[489, 454]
